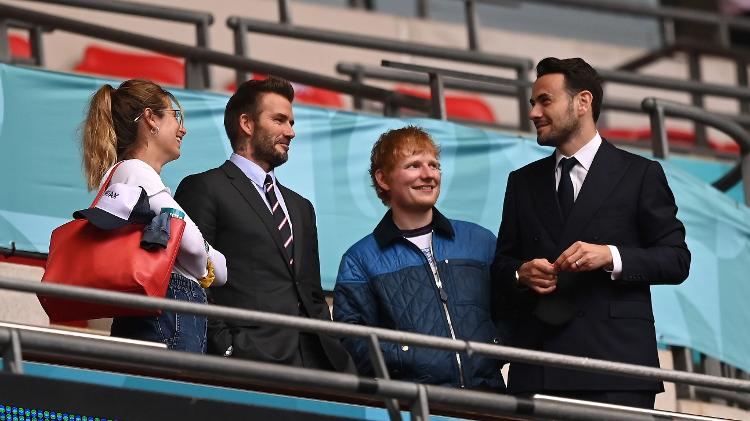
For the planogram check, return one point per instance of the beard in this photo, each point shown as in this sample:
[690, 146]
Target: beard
[565, 130]
[264, 149]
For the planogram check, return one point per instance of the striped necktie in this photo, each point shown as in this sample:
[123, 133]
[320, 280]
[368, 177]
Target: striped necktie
[281, 219]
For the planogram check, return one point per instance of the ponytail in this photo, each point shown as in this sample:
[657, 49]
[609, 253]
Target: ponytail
[99, 142]
[110, 132]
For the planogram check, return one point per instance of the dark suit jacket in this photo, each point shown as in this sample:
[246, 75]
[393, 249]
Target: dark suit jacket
[234, 219]
[624, 201]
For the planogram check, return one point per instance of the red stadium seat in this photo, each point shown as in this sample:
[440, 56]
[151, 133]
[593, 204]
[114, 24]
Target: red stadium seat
[624, 134]
[727, 147]
[130, 65]
[312, 95]
[464, 107]
[19, 46]
[305, 94]
[677, 137]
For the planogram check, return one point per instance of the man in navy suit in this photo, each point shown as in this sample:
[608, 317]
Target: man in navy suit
[585, 232]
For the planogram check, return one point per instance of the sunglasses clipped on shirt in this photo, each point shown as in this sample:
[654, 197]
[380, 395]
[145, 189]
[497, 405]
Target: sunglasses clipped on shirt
[177, 115]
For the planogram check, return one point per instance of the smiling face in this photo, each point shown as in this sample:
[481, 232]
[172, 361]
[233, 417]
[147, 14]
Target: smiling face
[272, 131]
[171, 131]
[413, 185]
[552, 111]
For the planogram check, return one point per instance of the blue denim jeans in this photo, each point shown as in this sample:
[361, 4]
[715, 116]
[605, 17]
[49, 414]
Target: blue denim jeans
[180, 331]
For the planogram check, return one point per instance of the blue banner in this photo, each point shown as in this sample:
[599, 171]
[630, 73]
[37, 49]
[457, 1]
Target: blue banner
[40, 165]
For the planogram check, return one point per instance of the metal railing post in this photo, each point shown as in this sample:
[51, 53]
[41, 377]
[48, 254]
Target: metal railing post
[683, 361]
[4, 43]
[423, 9]
[694, 69]
[742, 80]
[723, 27]
[437, 97]
[357, 77]
[659, 141]
[524, 124]
[381, 371]
[472, 24]
[195, 74]
[667, 31]
[37, 47]
[420, 409]
[240, 48]
[285, 14]
[12, 358]
[391, 109]
[745, 170]
[202, 40]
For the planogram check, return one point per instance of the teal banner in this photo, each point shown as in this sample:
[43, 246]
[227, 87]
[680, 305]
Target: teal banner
[40, 165]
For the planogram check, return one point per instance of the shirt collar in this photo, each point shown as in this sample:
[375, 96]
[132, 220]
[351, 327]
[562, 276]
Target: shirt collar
[585, 155]
[252, 170]
[386, 232]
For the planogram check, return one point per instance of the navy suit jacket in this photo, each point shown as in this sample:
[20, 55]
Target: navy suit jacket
[625, 201]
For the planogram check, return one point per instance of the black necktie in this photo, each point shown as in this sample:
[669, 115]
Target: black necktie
[565, 188]
[281, 220]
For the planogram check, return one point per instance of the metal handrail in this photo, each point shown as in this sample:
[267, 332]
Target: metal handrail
[194, 56]
[659, 108]
[504, 87]
[241, 26]
[667, 15]
[201, 20]
[377, 43]
[638, 9]
[350, 330]
[138, 9]
[377, 72]
[249, 372]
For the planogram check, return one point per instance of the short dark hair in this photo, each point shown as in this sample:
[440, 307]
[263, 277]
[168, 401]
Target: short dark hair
[245, 101]
[579, 76]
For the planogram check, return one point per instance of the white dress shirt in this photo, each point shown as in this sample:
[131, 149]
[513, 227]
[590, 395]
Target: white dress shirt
[585, 156]
[256, 174]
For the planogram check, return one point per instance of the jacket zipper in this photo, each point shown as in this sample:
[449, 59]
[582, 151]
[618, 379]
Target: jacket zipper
[444, 302]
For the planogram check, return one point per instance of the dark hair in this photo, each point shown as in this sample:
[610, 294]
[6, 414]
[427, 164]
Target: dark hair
[579, 76]
[245, 101]
[110, 128]
[392, 146]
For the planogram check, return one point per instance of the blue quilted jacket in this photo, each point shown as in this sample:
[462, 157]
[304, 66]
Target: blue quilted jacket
[385, 281]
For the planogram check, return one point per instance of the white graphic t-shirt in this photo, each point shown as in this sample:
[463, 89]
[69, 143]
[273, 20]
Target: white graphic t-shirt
[422, 238]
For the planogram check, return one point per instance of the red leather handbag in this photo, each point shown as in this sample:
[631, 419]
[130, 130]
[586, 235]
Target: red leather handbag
[80, 254]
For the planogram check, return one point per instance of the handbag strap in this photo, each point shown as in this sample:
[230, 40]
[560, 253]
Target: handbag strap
[104, 186]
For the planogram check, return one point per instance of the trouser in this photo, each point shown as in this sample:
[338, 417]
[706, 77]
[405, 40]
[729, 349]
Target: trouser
[179, 331]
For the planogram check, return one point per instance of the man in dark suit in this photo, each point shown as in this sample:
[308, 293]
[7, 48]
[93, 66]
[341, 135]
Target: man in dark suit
[585, 232]
[267, 233]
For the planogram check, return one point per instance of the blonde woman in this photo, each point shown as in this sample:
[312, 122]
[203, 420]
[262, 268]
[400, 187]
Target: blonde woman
[141, 124]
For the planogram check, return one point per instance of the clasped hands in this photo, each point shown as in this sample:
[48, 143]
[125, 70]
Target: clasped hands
[541, 276]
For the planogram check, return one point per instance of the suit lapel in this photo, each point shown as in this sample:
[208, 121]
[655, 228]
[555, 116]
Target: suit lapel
[247, 190]
[295, 216]
[604, 174]
[542, 188]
